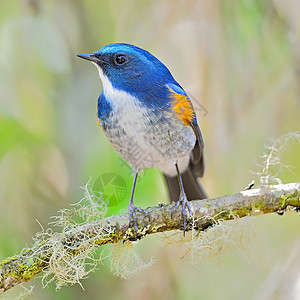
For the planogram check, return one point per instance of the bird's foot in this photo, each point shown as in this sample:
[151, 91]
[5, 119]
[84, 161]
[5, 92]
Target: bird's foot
[183, 201]
[132, 209]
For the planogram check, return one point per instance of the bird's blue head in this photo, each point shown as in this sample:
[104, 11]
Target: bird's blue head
[131, 69]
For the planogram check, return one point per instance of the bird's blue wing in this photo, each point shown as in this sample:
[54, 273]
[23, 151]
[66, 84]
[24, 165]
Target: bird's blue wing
[177, 88]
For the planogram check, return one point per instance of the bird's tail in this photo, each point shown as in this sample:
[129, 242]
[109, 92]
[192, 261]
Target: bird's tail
[192, 188]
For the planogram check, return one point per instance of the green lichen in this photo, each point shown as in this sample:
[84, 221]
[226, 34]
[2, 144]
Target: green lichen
[8, 260]
[292, 199]
[258, 205]
[63, 255]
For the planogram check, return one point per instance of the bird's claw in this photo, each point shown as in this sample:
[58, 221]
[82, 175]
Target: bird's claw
[183, 201]
[132, 209]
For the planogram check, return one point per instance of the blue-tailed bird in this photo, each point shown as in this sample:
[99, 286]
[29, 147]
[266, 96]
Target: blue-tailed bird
[150, 121]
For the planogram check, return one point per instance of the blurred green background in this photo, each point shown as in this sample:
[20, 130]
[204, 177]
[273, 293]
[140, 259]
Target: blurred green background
[241, 62]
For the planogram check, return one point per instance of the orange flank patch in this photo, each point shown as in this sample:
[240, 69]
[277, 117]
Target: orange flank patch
[183, 107]
[98, 122]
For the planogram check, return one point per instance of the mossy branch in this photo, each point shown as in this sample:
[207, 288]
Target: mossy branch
[262, 200]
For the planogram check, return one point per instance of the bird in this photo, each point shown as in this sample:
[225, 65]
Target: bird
[150, 121]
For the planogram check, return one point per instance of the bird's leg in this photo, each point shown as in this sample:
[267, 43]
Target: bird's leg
[182, 200]
[132, 209]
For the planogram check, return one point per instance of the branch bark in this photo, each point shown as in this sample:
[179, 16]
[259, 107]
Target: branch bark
[262, 200]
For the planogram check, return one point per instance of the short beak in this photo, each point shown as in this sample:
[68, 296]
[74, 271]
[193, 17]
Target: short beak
[91, 57]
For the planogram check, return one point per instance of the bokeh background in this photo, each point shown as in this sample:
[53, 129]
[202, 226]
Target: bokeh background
[240, 60]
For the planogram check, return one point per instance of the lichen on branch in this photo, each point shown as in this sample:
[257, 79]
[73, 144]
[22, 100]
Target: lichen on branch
[68, 256]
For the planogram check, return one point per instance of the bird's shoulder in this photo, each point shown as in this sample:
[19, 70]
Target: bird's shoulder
[183, 108]
[181, 104]
[104, 108]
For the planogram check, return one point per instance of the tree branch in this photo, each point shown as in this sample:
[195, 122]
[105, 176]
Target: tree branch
[262, 200]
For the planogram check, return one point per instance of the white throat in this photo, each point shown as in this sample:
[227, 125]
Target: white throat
[117, 98]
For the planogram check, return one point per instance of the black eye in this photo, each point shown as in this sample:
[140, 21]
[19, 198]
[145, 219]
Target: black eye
[120, 59]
